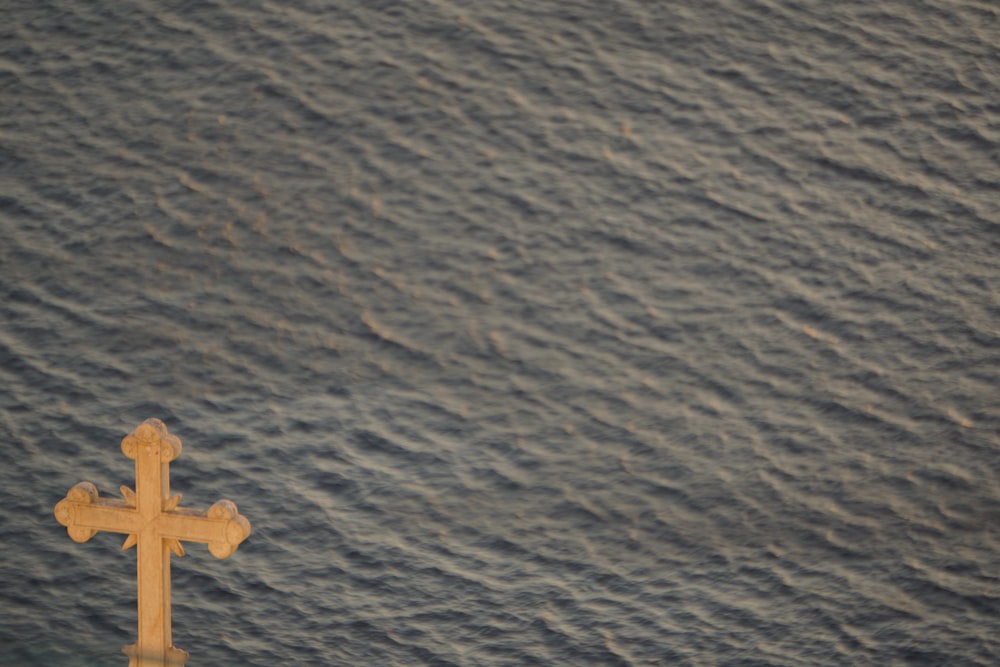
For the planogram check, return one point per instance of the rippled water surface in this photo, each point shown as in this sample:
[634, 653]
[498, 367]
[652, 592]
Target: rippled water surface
[525, 333]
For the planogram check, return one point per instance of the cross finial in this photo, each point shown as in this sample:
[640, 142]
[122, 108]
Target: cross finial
[155, 524]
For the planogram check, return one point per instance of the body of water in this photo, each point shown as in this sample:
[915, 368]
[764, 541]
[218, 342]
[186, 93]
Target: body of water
[524, 333]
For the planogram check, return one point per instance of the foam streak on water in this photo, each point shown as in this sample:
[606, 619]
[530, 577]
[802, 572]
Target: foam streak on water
[524, 333]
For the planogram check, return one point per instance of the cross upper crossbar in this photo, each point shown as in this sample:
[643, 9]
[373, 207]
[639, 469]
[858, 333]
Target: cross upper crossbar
[155, 524]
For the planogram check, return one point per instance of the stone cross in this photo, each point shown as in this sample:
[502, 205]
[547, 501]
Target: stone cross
[154, 523]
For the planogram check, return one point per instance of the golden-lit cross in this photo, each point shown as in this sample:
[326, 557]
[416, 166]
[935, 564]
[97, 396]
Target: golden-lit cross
[156, 525]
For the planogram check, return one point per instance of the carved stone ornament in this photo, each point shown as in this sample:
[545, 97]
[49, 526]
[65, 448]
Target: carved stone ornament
[154, 523]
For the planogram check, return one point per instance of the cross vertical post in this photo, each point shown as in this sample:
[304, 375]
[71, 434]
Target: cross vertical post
[155, 525]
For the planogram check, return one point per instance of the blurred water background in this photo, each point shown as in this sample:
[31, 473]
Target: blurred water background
[525, 333]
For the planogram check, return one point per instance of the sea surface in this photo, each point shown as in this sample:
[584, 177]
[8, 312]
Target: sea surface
[577, 332]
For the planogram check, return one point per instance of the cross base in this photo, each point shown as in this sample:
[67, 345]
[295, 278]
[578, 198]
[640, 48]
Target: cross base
[175, 657]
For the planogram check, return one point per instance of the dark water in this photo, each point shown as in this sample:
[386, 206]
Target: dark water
[525, 333]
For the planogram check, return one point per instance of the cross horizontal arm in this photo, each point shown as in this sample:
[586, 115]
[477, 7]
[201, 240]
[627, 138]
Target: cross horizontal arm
[84, 512]
[222, 527]
[105, 514]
